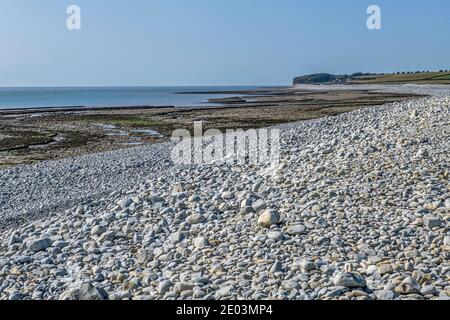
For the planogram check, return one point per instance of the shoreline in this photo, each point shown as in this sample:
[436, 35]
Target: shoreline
[28, 136]
[269, 91]
[153, 95]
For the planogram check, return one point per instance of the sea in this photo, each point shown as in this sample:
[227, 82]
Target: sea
[54, 97]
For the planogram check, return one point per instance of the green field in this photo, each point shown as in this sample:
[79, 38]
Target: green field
[446, 77]
[420, 77]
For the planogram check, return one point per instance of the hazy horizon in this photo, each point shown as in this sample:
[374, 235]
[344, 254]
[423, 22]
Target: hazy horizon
[214, 43]
[144, 86]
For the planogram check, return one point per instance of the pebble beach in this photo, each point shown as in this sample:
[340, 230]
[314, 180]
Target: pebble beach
[357, 209]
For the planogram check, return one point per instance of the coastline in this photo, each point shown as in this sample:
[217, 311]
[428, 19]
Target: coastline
[27, 98]
[32, 135]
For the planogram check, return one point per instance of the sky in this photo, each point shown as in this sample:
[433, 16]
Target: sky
[215, 42]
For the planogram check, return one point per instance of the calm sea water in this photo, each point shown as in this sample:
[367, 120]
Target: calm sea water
[12, 98]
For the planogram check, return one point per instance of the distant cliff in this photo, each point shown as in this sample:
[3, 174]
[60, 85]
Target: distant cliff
[423, 77]
[321, 78]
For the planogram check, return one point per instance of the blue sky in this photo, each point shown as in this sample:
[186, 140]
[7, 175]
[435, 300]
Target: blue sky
[215, 42]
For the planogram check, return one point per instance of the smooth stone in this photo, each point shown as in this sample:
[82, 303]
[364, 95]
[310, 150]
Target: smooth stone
[428, 290]
[182, 286]
[259, 205]
[120, 295]
[307, 265]
[60, 244]
[39, 244]
[143, 256]
[432, 221]
[385, 268]
[349, 280]
[447, 203]
[384, 294]
[409, 266]
[164, 286]
[15, 296]
[198, 294]
[125, 203]
[447, 241]
[422, 153]
[296, 230]
[177, 237]
[411, 253]
[86, 292]
[98, 230]
[195, 219]
[227, 195]
[223, 292]
[276, 267]
[269, 218]
[275, 235]
[408, 286]
[371, 269]
[201, 242]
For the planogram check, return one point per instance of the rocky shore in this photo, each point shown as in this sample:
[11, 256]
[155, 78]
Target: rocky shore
[358, 208]
[35, 135]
